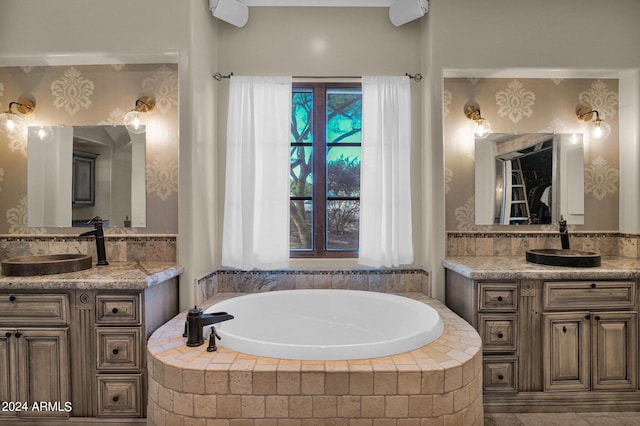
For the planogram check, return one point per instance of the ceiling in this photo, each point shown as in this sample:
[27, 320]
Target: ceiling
[318, 3]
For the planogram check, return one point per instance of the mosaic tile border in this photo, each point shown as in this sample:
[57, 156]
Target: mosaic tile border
[517, 243]
[381, 280]
[120, 248]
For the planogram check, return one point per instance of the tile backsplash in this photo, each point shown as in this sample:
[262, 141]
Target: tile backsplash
[517, 243]
[120, 248]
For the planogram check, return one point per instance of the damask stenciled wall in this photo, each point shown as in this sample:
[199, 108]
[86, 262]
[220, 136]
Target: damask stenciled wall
[92, 95]
[532, 105]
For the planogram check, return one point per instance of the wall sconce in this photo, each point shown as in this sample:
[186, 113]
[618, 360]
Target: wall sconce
[481, 126]
[599, 128]
[8, 118]
[403, 11]
[132, 120]
[231, 11]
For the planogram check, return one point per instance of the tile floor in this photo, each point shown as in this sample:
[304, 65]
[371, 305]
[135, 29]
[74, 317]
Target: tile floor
[563, 419]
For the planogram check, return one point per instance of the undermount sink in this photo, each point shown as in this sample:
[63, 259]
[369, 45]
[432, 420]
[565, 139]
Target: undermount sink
[27, 266]
[563, 257]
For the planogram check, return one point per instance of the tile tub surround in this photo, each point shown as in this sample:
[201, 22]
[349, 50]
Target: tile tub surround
[509, 243]
[119, 247]
[370, 279]
[438, 384]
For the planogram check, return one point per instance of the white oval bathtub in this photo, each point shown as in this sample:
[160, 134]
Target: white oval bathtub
[326, 324]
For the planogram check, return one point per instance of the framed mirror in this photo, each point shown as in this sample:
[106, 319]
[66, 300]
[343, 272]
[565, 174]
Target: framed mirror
[77, 172]
[529, 179]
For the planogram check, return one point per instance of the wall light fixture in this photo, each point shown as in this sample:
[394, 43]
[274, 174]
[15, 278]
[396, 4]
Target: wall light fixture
[132, 120]
[403, 11]
[481, 126]
[8, 118]
[231, 11]
[599, 128]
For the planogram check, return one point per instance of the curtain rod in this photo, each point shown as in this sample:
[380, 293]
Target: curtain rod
[416, 77]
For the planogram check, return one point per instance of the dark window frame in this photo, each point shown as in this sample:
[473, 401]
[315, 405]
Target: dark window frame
[319, 150]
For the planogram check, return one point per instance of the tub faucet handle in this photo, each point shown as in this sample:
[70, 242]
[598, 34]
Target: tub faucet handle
[212, 340]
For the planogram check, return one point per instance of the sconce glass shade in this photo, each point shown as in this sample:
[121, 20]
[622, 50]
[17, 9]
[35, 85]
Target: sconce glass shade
[9, 120]
[133, 123]
[599, 129]
[133, 120]
[480, 126]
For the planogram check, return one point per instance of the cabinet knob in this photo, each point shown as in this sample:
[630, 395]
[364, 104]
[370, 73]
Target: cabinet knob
[500, 299]
[12, 298]
[597, 317]
[114, 311]
[500, 335]
[564, 329]
[115, 398]
[18, 334]
[587, 317]
[500, 377]
[115, 351]
[7, 334]
[593, 285]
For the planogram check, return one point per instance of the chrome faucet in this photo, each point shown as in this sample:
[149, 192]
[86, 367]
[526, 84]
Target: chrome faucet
[99, 234]
[564, 233]
[196, 320]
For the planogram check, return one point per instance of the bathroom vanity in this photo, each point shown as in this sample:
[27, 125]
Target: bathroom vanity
[73, 346]
[554, 338]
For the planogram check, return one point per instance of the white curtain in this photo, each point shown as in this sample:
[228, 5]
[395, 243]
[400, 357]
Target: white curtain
[256, 210]
[385, 187]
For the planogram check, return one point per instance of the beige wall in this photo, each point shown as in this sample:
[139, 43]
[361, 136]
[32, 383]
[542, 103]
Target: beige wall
[322, 42]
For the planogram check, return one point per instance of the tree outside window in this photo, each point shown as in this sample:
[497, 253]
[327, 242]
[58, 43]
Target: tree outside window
[326, 138]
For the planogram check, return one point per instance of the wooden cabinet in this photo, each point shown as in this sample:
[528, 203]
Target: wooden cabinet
[82, 351]
[34, 359]
[591, 350]
[553, 345]
[119, 350]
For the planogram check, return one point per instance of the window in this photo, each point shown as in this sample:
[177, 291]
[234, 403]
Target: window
[326, 138]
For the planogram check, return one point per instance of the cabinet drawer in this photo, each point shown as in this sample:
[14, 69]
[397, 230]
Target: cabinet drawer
[498, 297]
[500, 374]
[118, 349]
[498, 332]
[119, 395]
[575, 295]
[29, 309]
[117, 309]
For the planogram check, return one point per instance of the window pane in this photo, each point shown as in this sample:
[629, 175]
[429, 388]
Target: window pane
[301, 174]
[344, 115]
[300, 225]
[343, 171]
[302, 116]
[342, 222]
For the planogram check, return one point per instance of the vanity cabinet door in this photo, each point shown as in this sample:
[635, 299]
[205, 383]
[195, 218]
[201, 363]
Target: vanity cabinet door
[615, 350]
[8, 378]
[43, 369]
[566, 347]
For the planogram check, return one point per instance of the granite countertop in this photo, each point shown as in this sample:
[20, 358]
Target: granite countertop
[516, 267]
[116, 275]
